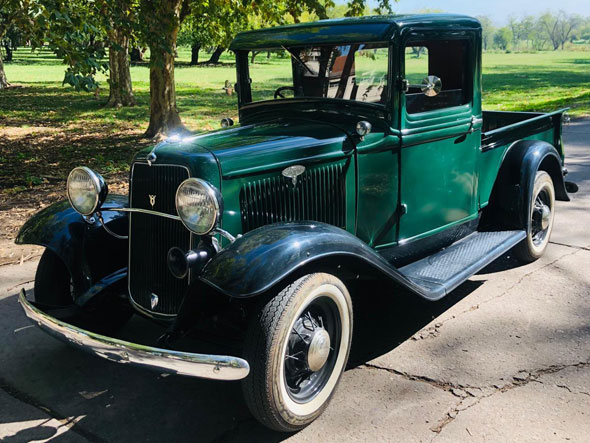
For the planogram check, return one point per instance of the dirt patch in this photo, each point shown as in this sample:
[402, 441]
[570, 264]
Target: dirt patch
[16, 132]
[16, 207]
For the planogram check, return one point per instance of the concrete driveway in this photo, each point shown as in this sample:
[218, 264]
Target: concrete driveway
[506, 357]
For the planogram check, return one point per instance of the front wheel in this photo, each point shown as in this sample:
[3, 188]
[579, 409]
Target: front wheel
[297, 346]
[541, 215]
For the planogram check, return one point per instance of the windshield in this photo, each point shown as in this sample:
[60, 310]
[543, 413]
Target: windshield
[348, 72]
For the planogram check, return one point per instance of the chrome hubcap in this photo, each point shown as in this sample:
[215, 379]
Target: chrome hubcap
[541, 218]
[310, 353]
[545, 216]
[319, 349]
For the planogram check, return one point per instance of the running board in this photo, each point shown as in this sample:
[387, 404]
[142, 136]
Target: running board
[440, 273]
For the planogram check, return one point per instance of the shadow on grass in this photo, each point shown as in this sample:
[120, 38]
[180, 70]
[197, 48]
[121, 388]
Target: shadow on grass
[27, 57]
[579, 61]
[525, 79]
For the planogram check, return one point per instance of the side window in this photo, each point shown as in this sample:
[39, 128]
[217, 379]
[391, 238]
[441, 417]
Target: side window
[446, 59]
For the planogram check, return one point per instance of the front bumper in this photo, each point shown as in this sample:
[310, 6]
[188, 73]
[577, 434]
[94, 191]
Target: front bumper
[217, 367]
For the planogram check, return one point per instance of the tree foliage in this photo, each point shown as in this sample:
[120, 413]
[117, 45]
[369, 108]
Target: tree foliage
[16, 14]
[537, 33]
[503, 38]
[559, 27]
[72, 29]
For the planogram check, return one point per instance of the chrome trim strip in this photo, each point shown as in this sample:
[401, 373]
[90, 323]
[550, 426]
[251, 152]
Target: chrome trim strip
[143, 211]
[140, 308]
[225, 234]
[216, 367]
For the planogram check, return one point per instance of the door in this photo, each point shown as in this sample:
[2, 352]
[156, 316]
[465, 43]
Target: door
[439, 139]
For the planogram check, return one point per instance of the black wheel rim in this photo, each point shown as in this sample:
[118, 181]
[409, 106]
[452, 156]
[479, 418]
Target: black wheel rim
[301, 382]
[538, 233]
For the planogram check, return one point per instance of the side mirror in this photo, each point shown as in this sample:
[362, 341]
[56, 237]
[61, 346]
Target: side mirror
[363, 128]
[430, 86]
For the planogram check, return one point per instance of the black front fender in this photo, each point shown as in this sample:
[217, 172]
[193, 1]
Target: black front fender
[264, 257]
[89, 253]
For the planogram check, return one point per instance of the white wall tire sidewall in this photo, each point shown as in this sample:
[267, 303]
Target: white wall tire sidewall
[306, 409]
[539, 249]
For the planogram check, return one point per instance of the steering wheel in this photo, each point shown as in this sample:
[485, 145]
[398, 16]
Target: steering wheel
[278, 92]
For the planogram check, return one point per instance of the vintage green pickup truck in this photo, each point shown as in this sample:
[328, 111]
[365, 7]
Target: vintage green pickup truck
[368, 156]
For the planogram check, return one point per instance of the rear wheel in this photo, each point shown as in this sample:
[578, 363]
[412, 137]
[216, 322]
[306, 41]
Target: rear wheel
[54, 289]
[53, 284]
[541, 215]
[298, 346]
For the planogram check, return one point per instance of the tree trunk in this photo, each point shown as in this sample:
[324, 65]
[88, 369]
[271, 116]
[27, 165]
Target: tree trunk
[136, 54]
[8, 50]
[120, 86]
[253, 56]
[195, 48]
[164, 116]
[216, 54]
[3, 80]
[163, 112]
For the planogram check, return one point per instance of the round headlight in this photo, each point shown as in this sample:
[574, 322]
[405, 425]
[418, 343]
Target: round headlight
[86, 190]
[199, 205]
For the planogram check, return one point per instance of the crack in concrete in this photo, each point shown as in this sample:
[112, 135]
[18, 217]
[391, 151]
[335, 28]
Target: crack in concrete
[455, 389]
[583, 248]
[69, 422]
[573, 392]
[522, 378]
[470, 396]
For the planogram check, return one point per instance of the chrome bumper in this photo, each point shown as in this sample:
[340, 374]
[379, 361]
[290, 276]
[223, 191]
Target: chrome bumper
[217, 367]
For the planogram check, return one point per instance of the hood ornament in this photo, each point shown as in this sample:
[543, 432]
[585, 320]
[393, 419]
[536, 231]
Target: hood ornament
[154, 300]
[293, 172]
[152, 157]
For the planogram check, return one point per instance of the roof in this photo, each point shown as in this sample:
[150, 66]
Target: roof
[378, 28]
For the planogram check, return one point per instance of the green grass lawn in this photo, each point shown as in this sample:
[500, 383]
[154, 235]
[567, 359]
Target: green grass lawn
[46, 128]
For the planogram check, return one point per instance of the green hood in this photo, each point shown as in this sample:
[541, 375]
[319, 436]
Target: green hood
[249, 149]
[256, 148]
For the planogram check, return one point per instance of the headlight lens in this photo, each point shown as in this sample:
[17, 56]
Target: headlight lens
[86, 190]
[199, 205]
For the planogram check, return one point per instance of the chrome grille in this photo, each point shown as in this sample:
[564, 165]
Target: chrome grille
[151, 237]
[319, 195]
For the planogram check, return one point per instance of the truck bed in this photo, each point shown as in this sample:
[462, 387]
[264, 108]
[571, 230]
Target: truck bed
[501, 128]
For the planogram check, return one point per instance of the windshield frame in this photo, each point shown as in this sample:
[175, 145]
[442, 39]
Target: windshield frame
[245, 93]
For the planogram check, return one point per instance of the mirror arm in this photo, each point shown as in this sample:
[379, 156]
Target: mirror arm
[406, 86]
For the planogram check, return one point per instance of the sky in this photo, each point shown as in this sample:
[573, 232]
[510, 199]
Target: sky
[497, 10]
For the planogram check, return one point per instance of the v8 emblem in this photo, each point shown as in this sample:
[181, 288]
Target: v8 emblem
[152, 200]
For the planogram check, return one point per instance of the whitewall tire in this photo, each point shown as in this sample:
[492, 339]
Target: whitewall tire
[297, 346]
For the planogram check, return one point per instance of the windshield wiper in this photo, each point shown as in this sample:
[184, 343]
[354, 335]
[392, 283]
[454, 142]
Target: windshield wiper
[298, 60]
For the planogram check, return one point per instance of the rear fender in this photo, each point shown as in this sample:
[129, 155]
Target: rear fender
[266, 256]
[510, 200]
[87, 250]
